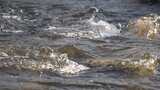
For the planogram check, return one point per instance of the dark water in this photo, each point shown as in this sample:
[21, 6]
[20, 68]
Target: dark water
[25, 24]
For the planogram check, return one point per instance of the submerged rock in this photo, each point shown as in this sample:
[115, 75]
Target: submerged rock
[144, 66]
[147, 27]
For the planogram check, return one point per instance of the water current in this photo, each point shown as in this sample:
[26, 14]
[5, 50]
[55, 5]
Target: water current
[47, 45]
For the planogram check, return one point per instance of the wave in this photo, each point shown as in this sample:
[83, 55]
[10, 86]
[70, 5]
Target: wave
[7, 16]
[42, 59]
[146, 65]
[90, 30]
[104, 29]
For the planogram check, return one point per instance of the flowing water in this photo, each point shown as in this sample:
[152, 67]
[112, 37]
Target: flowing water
[35, 34]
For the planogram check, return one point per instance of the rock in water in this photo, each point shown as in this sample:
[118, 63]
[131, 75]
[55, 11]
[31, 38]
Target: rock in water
[147, 27]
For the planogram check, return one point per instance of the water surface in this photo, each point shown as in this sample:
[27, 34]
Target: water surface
[31, 24]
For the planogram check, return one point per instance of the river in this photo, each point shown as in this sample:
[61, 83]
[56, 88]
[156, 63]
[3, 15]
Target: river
[29, 26]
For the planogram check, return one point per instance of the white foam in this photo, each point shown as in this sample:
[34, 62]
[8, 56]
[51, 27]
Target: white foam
[13, 31]
[6, 16]
[18, 31]
[104, 29]
[93, 30]
[51, 28]
[72, 68]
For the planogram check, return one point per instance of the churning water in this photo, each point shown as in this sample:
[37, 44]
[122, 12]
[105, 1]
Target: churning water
[46, 45]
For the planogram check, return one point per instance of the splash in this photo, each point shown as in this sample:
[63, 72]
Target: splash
[93, 30]
[104, 29]
[86, 28]
[147, 27]
[43, 59]
[7, 16]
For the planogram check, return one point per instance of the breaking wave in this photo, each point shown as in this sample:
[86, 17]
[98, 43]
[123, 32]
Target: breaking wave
[93, 30]
[43, 59]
